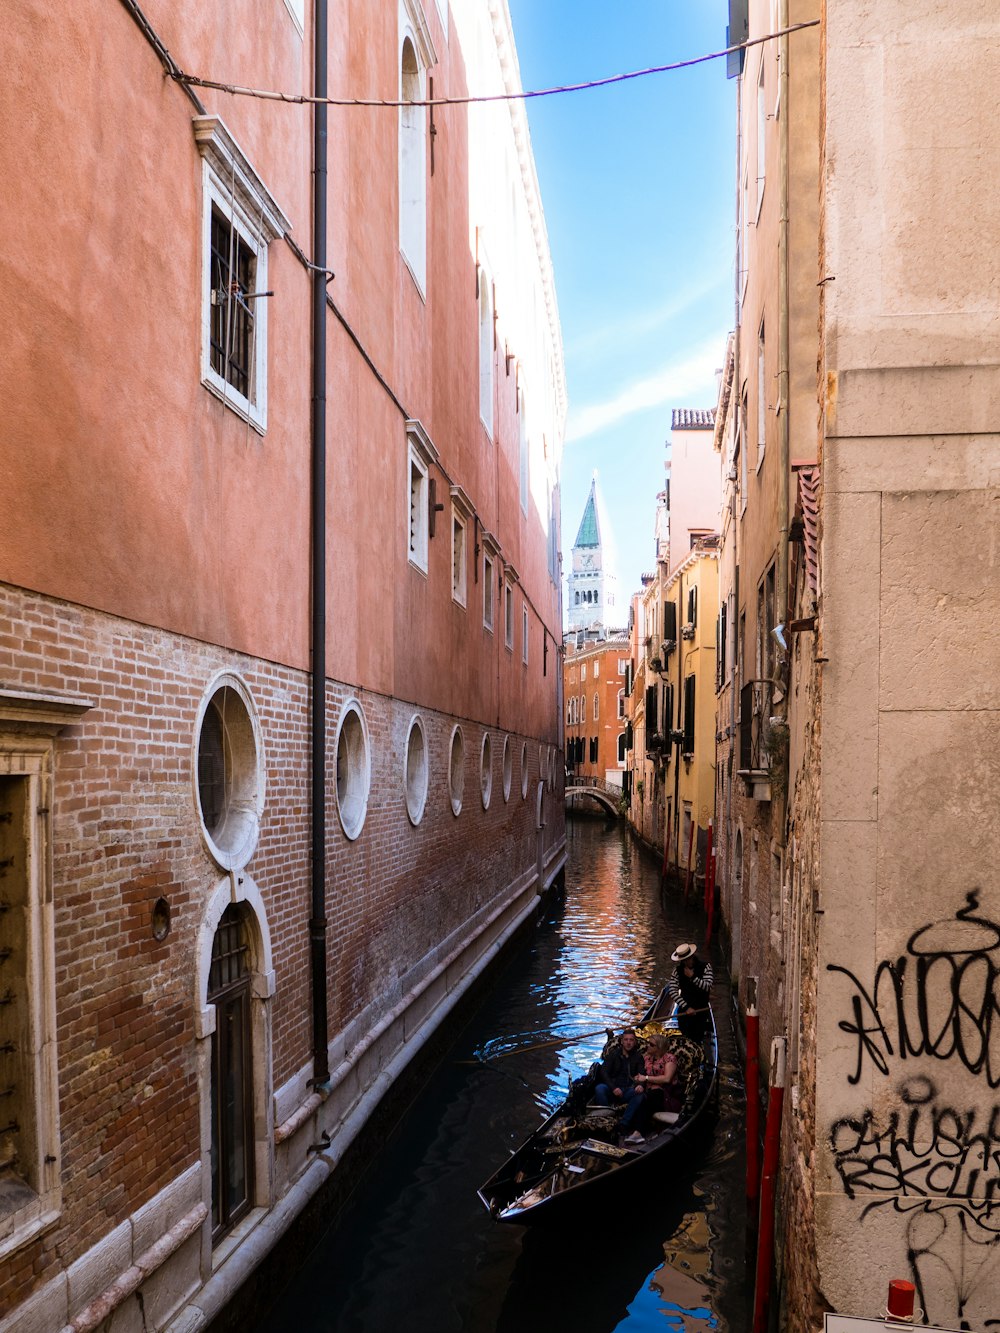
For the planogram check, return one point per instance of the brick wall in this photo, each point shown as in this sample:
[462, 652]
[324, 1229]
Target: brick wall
[126, 831]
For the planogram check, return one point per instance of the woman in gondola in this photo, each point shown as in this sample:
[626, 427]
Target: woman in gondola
[659, 1080]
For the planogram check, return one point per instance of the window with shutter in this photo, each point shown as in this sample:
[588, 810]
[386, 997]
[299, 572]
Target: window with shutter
[651, 727]
[670, 621]
[688, 743]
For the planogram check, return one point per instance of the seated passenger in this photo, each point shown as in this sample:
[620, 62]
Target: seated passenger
[616, 1082]
[659, 1081]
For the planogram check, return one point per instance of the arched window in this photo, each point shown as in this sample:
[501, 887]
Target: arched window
[621, 703]
[486, 350]
[621, 747]
[597, 699]
[522, 427]
[232, 1073]
[412, 164]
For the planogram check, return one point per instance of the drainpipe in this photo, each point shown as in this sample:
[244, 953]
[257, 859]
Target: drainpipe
[677, 715]
[783, 394]
[737, 402]
[768, 1188]
[317, 920]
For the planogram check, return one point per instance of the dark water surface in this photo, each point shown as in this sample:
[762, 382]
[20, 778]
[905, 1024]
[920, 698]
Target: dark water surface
[416, 1250]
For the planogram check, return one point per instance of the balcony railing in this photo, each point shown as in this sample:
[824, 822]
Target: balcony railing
[754, 729]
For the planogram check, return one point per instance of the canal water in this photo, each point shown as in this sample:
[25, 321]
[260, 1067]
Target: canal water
[416, 1251]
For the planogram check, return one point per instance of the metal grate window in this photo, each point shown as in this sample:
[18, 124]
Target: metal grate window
[234, 267]
[15, 1024]
[229, 954]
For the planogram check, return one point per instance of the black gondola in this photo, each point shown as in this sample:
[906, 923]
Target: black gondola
[573, 1159]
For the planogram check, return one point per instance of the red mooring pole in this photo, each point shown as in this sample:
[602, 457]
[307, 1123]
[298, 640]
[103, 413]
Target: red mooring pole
[752, 1077]
[708, 861]
[687, 877]
[901, 1299]
[769, 1187]
[710, 895]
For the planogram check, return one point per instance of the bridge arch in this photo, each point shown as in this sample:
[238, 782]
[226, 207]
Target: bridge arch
[597, 794]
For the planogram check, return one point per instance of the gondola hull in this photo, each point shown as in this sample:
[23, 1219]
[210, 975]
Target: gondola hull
[573, 1162]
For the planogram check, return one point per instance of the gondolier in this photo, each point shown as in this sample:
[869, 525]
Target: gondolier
[689, 987]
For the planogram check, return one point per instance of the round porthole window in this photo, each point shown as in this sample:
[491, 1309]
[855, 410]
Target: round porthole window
[230, 771]
[416, 772]
[540, 805]
[353, 769]
[486, 770]
[524, 770]
[508, 766]
[456, 770]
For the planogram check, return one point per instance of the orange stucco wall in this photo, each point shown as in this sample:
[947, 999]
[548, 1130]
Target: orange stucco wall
[128, 487]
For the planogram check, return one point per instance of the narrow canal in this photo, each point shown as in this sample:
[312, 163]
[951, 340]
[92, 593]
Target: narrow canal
[417, 1251]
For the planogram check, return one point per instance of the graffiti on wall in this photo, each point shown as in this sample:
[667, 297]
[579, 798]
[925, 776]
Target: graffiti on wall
[933, 1156]
[939, 999]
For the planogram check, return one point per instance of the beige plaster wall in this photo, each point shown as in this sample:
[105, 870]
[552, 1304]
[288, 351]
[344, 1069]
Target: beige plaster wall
[908, 1118]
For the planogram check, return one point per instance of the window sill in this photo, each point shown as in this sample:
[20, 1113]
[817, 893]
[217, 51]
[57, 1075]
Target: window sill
[232, 1240]
[416, 565]
[235, 401]
[24, 1215]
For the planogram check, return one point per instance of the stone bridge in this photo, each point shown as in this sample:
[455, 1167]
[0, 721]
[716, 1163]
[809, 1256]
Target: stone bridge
[598, 791]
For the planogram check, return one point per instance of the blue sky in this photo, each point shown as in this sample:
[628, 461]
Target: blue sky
[637, 186]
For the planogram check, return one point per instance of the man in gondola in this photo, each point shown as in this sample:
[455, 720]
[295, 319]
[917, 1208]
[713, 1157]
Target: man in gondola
[616, 1083]
[689, 987]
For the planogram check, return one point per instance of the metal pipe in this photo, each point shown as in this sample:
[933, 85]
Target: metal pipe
[752, 1082]
[784, 457]
[317, 920]
[768, 1187]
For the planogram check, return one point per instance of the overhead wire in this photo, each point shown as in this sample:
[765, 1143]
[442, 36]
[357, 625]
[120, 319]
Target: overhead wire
[524, 95]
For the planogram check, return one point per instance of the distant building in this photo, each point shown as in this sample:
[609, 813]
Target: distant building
[671, 763]
[595, 680]
[592, 600]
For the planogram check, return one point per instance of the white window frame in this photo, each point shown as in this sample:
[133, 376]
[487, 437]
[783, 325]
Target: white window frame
[524, 450]
[487, 348]
[761, 390]
[761, 134]
[597, 705]
[461, 515]
[489, 598]
[412, 140]
[459, 558]
[297, 9]
[508, 613]
[621, 703]
[27, 754]
[420, 456]
[230, 184]
[524, 632]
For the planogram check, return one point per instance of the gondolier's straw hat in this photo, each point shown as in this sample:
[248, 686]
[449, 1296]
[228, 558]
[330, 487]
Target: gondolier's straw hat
[683, 952]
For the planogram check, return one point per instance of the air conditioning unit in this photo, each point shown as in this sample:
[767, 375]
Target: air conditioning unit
[687, 632]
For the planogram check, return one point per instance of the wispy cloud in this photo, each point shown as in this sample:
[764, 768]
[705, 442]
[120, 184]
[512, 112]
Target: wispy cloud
[677, 380]
[639, 325]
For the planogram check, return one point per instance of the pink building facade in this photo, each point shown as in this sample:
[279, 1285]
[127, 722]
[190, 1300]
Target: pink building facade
[163, 944]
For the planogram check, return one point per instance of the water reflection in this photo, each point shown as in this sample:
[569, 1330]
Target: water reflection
[418, 1250]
